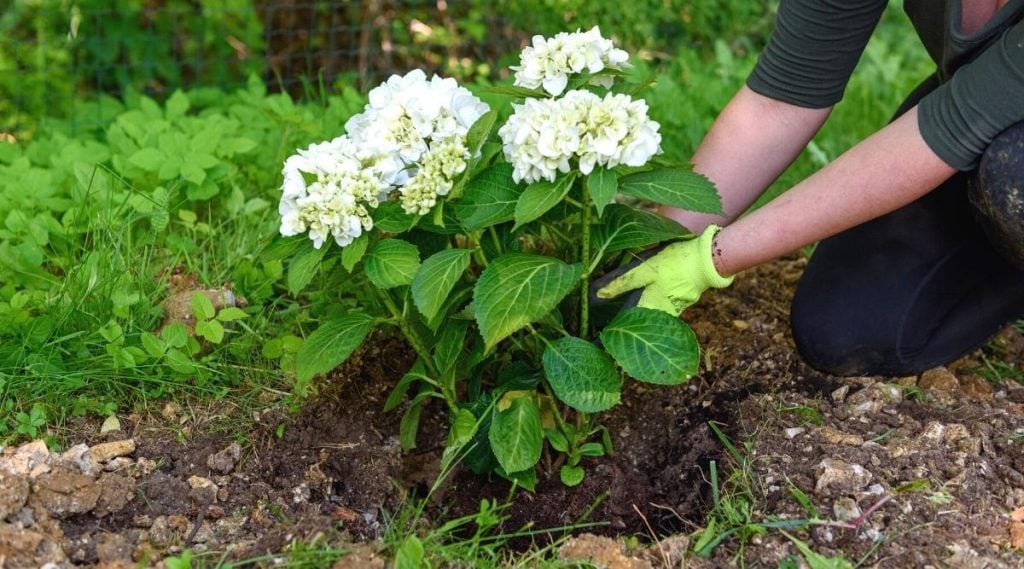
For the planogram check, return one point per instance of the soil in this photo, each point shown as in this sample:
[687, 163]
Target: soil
[936, 462]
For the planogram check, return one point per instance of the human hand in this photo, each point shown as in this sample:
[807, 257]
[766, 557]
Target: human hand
[672, 279]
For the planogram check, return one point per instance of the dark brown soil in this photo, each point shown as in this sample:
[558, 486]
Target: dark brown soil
[944, 457]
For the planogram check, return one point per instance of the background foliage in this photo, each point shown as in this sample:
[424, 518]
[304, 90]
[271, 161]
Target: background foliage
[138, 147]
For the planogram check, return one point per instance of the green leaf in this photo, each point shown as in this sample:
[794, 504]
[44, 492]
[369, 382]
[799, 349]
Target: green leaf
[410, 424]
[652, 346]
[626, 227]
[410, 554]
[517, 289]
[557, 440]
[675, 187]
[304, 266]
[177, 105]
[179, 362]
[436, 278]
[153, 345]
[540, 197]
[514, 91]
[450, 345]
[571, 475]
[193, 173]
[515, 434]
[602, 184]
[582, 375]
[352, 253]
[176, 335]
[397, 394]
[212, 330]
[490, 198]
[390, 217]
[202, 306]
[816, 560]
[392, 263]
[331, 344]
[463, 427]
[480, 131]
[231, 313]
[149, 159]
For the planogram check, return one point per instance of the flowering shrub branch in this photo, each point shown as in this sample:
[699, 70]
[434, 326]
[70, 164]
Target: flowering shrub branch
[480, 241]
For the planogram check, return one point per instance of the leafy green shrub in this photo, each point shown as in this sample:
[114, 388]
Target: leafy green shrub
[487, 274]
[92, 227]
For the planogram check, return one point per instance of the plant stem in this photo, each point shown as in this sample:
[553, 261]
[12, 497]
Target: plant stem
[585, 259]
[410, 333]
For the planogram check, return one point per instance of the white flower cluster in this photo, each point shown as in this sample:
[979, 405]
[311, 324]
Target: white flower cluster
[544, 136]
[549, 61]
[410, 137]
[329, 189]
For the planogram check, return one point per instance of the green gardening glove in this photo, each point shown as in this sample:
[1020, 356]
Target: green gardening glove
[674, 278]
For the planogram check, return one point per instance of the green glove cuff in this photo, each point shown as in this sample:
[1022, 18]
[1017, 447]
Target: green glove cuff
[707, 262]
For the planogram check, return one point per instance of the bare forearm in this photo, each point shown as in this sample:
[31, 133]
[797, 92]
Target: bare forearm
[751, 142]
[884, 172]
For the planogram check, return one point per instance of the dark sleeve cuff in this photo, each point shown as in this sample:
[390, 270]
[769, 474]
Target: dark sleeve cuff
[813, 50]
[985, 97]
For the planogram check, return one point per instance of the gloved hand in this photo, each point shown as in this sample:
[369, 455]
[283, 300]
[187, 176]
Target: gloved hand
[672, 279]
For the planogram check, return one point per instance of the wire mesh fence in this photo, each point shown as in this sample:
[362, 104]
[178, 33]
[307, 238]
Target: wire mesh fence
[65, 59]
[55, 54]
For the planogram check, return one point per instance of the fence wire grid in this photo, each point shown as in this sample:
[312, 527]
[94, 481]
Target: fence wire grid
[54, 54]
[60, 57]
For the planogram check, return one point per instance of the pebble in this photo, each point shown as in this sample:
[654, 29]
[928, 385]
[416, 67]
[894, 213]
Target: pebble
[940, 384]
[106, 451]
[839, 395]
[110, 424]
[834, 436]
[977, 388]
[840, 476]
[846, 509]
[13, 493]
[225, 460]
[794, 431]
[872, 398]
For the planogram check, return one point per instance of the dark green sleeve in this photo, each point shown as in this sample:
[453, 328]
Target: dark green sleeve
[985, 97]
[813, 50]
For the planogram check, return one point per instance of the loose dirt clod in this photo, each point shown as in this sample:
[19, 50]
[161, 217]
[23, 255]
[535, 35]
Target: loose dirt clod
[600, 551]
[225, 460]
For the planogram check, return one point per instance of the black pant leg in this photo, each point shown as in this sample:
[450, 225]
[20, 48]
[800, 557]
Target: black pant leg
[913, 289]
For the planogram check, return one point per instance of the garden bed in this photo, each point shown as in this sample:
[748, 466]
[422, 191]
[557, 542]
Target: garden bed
[940, 456]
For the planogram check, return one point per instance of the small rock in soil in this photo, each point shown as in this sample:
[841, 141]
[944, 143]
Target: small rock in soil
[79, 457]
[29, 458]
[63, 493]
[834, 436]
[13, 493]
[106, 451]
[360, 557]
[112, 548]
[204, 491]
[115, 493]
[846, 509]
[168, 530]
[841, 477]
[872, 398]
[940, 384]
[110, 424]
[25, 548]
[977, 388]
[792, 432]
[964, 557]
[839, 395]
[600, 551]
[225, 460]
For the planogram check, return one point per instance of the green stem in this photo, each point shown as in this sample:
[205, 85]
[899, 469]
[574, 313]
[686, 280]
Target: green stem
[585, 259]
[409, 332]
[477, 248]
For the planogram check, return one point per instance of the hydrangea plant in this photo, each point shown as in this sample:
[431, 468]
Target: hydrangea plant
[479, 245]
